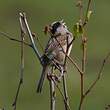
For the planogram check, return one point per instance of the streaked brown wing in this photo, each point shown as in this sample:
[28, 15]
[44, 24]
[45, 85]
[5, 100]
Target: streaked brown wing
[53, 44]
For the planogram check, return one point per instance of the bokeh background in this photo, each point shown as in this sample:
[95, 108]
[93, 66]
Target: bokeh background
[41, 13]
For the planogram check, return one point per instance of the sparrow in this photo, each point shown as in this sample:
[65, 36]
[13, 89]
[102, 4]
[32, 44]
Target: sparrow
[60, 40]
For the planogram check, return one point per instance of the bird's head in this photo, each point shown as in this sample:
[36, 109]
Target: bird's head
[58, 27]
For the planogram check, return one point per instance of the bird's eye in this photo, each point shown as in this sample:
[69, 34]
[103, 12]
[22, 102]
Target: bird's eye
[64, 26]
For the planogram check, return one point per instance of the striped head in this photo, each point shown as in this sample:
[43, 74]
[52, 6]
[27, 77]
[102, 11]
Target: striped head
[58, 27]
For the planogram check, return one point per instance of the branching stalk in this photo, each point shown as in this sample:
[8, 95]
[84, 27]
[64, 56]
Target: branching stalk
[64, 77]
[98, 76]
[27, 30]
[60, 92]
[13, 39]
[84, 52]
[21, 71]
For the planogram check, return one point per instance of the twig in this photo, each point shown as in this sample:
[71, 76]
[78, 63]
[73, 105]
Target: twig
[21, 69]
[26, 29]
[13, 39]
[99, 75]
[82, 90]
[75, 65]
[87, 10]
[64, 78]
[84, 50]
[80, 6]
[52, 93]
[95, 81]
[60, 92]
[65, 93]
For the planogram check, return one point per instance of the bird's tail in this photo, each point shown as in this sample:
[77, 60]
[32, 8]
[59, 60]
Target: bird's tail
[41, 81]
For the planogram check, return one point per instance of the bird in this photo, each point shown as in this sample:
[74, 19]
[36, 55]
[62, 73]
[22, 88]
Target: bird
[60, 39]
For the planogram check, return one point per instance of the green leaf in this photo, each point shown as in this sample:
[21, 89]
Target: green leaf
[78, 30]
[89, 15]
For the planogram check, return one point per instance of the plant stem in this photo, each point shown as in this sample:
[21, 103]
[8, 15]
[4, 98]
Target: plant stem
[87, 10]
[65, 92]
[28, 31]
[13, 39]
[60, 93]
[64, 77]
[21, 71]
[80, 5]
[52, 93]
[98, 76]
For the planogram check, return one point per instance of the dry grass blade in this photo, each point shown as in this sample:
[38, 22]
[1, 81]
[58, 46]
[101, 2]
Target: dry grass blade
[21, 69]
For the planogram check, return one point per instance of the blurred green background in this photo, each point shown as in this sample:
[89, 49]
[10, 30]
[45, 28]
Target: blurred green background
[41, 13]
